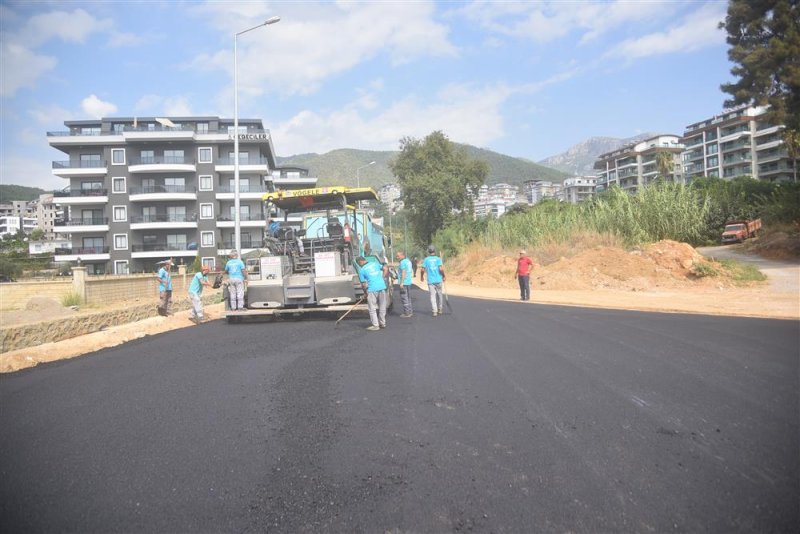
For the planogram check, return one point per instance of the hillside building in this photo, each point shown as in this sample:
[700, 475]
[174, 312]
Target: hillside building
[578, 189]
[637, 164]
[736, 143]
[142, 190]
[537, 190]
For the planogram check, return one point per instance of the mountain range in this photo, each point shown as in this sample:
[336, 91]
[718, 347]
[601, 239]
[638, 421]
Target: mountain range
[578, 160]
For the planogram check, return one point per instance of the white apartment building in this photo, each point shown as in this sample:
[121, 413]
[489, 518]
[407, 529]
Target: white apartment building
[10, 224]
[537, 190]
[578, 189]
[636, 165]
[139, 190]
[738, 142]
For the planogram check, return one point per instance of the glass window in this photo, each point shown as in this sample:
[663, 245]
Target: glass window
[120, 241]
[206, 183]
[88, 186]
[206, 239]
[244, 213]
[211, 263]
[206, 211]
[120, 213]
[175, 185]
[204, 155]
[202, 127]
[118, 156]
[176, 241]
[93, 245]
[117, 127]
[147, 156]
[173, 156]
[90, 130]
[121, 267]
[118, 185]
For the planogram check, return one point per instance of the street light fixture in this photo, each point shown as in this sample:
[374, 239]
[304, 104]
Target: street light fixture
[358, 172]
[236, 200]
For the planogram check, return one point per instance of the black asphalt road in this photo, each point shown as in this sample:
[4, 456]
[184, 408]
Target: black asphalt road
[504, 417]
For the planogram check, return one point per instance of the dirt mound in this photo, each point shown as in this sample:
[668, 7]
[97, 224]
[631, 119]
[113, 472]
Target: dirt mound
[662, 264]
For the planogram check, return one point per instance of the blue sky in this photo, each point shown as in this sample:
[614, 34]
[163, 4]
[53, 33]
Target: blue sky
[527, 79]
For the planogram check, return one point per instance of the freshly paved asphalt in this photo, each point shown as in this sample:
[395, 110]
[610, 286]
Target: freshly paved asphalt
[503, 417]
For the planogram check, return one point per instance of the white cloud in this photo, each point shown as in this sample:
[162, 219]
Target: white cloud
[465, 113]
[20, 67]
[96, 108]
[314, 42]
[698, 30]
[51, 115]
[69, 26]
[543, 22]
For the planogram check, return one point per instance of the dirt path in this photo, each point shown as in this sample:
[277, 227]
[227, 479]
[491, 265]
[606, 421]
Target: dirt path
[783, 276]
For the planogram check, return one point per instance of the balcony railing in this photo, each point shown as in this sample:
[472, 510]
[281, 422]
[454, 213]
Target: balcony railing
[245, 188]
[243, 217]
[145, 129]
[159, 247]
[737, 159]
[84, 221]
[164, 217]
[81, 250]
[151, 189]
[82, 193]
[161, 160]
[225, 160]
[80, 164]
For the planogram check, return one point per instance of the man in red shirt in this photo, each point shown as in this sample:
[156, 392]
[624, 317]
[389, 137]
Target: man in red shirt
[523, 275]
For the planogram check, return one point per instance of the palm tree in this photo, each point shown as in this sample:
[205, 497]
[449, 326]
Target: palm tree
[665, 164]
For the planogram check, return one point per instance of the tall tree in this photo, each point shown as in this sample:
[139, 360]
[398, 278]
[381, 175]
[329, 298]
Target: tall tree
[435, 176]
[765, 48]
[665, 164]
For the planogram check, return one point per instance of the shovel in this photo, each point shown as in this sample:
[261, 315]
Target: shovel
[353, 307]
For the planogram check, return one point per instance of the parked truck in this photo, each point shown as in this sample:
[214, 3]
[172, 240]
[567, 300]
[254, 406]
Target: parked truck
[307, 263]
[738, 231]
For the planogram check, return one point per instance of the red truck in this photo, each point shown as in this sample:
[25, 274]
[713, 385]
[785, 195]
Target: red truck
[738, 231]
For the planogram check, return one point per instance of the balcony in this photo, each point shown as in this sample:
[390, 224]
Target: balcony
[83, 138]
[730, 147]
[82, 196]
[157, 132]
[163, 220]
[161, 164]
[259, 164]
[246, 191]
[162, 192]
[737, 158]
[83, 254]
[160, 250]
[78, 225]
[256, 220]
[67, 169]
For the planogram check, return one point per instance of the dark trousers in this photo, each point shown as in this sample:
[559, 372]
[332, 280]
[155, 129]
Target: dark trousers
[524, 287]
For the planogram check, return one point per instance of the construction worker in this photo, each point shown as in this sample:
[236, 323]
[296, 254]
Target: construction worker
[523, 275]
[433, 270]
[373, 282]
[199, 280]
[237, 273]
[405, 280]
[164, 287]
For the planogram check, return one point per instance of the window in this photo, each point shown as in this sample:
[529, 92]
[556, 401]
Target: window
[713, 161]
[211, 263]
[204, 155]
[176, 241]
[93, 245]
[712, 149]
[88, 187]
[244, 213]
[175, 185]
[120, 242]
[206, 183]
[118, 127]
[149, 214]
[89, 161]
[118, 185]
[176, 213]
[118, 156]
[173, 156]
[202, 127]
[206, 239]
[121, 267]
[120, 213]
[206, 211]
[147, 156]
[90, 130]
[244, 185]
[244, 157]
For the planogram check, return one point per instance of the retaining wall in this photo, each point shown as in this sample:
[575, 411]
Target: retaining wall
[15, 295]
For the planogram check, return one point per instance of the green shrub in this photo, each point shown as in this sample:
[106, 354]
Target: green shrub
[743, 272]
[71, 299]
[704, 270]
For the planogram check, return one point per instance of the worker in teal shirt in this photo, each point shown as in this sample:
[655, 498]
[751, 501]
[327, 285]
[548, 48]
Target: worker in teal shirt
[195, 294]
[236, 276]
[434, 272]
[406, 271]
[373, 281]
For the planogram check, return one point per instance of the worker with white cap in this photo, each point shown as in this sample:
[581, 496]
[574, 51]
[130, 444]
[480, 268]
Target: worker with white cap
[237, 273]
[434, 273]
[523, 275]
[164, 287]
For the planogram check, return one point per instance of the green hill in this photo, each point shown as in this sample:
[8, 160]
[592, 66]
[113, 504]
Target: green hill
[19, 192]
[339, 167]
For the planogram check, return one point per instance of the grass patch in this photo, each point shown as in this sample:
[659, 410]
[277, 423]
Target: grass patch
[742, 272]
[71, 299]
[704, 270]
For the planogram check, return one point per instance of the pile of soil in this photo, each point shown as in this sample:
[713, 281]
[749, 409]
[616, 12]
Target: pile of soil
[665, 264]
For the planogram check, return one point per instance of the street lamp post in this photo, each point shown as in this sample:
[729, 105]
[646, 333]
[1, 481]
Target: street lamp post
[236, 199]
[358, 172]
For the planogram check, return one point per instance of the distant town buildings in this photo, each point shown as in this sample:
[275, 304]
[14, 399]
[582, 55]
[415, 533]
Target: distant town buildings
[27, 216]
[639, 164]
[390, 195]
[578, 189]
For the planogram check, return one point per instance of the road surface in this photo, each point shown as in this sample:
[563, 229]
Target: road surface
[504, 417]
